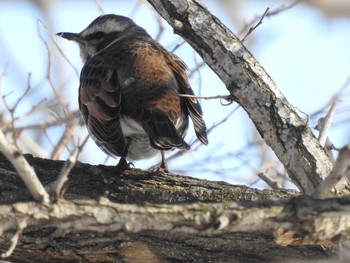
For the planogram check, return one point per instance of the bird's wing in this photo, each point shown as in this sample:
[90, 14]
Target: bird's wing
[191, 103]
[153, 99]
[100, 104]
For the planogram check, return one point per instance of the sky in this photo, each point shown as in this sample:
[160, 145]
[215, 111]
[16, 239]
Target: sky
[305, 52]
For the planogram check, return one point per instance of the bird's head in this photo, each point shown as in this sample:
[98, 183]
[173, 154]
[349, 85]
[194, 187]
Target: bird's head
[103, 31]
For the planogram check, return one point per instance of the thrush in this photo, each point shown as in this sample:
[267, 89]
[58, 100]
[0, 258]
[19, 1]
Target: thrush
[129, 91]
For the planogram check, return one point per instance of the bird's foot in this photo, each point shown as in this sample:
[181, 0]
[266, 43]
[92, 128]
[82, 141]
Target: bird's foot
[162, 168]
[123, 165]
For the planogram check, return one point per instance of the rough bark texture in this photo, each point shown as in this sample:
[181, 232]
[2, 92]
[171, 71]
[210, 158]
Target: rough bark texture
[108, 217]
[250, 86]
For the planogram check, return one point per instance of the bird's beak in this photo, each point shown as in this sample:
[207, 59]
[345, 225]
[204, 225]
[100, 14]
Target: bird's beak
[71, 36]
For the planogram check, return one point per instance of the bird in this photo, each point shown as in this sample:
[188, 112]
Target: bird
[134, 95]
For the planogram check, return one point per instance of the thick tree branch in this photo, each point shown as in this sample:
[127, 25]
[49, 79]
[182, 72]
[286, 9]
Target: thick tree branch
[316, 219]
[276, 120]
[133, 186]
[107, 216]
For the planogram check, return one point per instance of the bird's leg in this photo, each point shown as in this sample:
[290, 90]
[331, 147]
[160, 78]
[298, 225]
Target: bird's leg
[163, 165]
[123, 164]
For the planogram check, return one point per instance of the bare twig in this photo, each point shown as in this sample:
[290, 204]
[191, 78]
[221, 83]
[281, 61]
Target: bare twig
[12, 110]
[340, 168]
[14, 240]
[178, 46]
[196, 68]
[225, 97]
[99, 6]
[270, 13]
[256, 26]
[25, 171]
[269, 180]
[135, 8]
[8, 127]
[49, 63]
[68, 166]
[63, 177]
[24, 93]
[32, 145]
[307, 116]
[160, 27]
[324, 124]
[63, 141]
[341, 93]
[46, 124]
[284, 8]
[58, 48]
[66, 136]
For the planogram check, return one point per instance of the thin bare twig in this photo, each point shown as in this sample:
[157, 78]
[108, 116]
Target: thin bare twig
[268, 14]
[284, 8]
[135, 8]
[12, 110]
[66, 136]
[324, 124]
[63, 141]
[68, 166]
[178, 46]
[58, 48]
[196, 68]
[160, 27]
[99, 6]
[341, 93]
[29, 87]
[46, 124]
[49, 63]
[14, 240]
[269, 180]
[225, 97]
[8, 127]
[251, 29]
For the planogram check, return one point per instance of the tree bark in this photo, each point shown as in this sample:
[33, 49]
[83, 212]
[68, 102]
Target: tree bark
[141, 216]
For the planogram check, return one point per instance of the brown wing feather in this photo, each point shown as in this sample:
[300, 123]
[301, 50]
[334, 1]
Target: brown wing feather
[100, 104]
[190, 104]
[152, 100]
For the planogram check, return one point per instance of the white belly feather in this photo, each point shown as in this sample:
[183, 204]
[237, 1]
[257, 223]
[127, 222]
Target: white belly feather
[139, 146]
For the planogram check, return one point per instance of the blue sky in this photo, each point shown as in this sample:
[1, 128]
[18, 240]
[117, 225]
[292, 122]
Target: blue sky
[306, 53]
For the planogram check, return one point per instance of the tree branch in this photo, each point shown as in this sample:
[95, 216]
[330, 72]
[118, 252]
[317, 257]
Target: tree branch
[316, 219]
[275, 119]
[137, 211]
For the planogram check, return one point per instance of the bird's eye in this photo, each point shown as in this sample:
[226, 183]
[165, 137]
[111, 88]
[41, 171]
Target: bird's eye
[95, 36]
